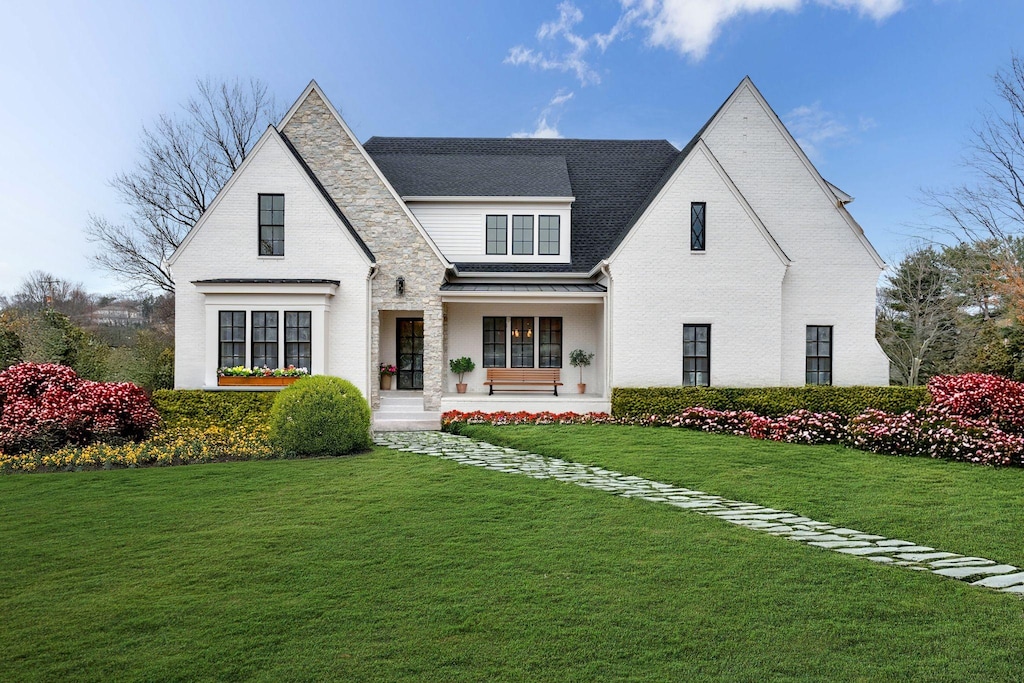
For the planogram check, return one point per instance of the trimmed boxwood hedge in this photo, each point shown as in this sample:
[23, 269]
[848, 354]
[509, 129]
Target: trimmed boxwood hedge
[766, 401]
[197, 408]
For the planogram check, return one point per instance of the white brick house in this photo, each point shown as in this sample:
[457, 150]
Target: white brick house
[730, 263]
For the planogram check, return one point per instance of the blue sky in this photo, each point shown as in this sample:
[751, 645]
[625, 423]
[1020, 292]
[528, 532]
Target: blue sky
[883, 93]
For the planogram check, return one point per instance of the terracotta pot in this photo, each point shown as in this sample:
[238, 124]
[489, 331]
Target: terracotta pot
[385, 382]
[255, 381]
[460, 387]
[582, 388]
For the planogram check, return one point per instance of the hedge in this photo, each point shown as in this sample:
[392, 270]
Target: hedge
[767, 401]
[197, 408]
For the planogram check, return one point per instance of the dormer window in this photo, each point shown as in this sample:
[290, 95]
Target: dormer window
[522, 235]
[497, 235]
[548, 235]
[271, 225]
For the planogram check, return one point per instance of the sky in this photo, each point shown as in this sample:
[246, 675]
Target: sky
[882, 94]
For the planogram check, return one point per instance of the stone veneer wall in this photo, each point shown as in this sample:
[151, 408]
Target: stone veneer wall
[400, 249]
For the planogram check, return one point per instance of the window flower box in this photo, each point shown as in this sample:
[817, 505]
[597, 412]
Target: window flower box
[255, 381]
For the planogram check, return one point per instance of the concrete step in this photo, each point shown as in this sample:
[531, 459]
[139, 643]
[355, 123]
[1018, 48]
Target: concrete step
[416, 424]
[386, 415]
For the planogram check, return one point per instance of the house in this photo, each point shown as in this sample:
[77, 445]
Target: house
[731, 262]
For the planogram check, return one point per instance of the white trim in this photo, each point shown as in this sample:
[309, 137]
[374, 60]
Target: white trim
[748, 84]
[524, 297]
[525, 275]
[490, 199]
[275, 134]
[841, 196]
[325, 289]
[702, 147]
[313, 86]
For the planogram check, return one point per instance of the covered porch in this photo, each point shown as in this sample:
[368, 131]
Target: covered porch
[533, 326]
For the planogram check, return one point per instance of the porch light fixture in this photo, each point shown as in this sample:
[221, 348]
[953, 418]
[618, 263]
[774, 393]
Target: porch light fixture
[400, 286]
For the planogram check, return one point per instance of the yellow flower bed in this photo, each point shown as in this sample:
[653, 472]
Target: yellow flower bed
[175, 446]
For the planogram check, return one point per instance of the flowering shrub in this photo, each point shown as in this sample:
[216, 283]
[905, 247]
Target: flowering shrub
[177, 446]
[972, 418]
[45, 406]
[242, 371]
[386, 370]
[979, 396]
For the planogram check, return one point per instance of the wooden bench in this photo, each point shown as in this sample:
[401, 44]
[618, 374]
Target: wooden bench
[547, 377]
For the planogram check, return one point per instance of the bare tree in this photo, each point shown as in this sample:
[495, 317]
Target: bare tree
[185, 161]
[40, 290]
[917, 317]
[991, 208]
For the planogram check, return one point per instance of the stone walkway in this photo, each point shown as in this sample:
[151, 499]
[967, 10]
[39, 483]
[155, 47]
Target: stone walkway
[976, 570]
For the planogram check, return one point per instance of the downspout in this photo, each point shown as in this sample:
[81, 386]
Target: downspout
[374, 269]
[605, 268]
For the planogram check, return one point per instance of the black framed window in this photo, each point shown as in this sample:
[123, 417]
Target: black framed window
[298, 339]
[698, 220]
[697, 355]
[548, 238]
[271, 225]
[819, 354]
[522, 235]
[494, 342]
[232, 339]
[497, 235]
[522, 342]
[264, 339]
[549, 342]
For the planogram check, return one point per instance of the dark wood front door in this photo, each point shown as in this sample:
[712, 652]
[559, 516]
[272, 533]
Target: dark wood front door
[410, 353]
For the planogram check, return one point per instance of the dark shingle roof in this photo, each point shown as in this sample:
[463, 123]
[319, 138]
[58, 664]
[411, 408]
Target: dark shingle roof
[610, 179]
[476, 175]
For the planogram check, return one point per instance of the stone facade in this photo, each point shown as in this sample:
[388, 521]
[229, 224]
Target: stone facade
[380, 219]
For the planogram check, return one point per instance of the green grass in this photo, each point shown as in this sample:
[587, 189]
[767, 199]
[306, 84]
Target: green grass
[391, 566]
[958, 507]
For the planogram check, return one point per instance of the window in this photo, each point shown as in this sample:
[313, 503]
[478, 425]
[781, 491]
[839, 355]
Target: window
[698, 214]
[819, 354]
[522, 342]
[271, 225]
[232, 339]
[264, 339]
[547, 235]
[522, 234]
[550, 330]
[497, 235]
[494, 342]
[298, 336]
[697, 355]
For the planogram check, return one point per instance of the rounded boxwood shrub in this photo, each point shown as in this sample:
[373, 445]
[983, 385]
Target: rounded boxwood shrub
[320, 416]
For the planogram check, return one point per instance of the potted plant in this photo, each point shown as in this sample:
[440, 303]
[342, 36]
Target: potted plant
[460, 366]
[579, 358]
[386, 372]
[241, 376]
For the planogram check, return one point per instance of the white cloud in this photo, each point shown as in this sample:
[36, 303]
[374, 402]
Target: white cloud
[817, 129]
[689, 27]
[547, 122]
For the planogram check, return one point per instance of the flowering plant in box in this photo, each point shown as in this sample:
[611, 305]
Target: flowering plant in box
[386, 370]
[242, 371]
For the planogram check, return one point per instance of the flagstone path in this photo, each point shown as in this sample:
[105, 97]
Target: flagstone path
[978, 571]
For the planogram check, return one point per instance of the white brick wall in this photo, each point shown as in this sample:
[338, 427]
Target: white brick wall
[658, 285]
[316, 246]
[833, 277]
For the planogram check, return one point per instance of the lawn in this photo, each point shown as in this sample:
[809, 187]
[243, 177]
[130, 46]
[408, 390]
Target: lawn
[391, 566]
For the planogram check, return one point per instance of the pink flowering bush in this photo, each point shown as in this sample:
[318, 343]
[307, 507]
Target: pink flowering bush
[46, 406]
[972, 418]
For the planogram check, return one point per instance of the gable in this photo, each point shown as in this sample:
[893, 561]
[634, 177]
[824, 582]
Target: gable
[796, 204]
[229, 227]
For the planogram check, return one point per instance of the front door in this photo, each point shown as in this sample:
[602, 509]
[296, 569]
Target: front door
[410, 353]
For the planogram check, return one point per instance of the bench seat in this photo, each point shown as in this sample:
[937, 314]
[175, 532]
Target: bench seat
[547, 377]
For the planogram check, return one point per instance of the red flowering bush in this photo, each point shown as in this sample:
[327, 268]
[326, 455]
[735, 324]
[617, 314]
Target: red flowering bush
[46, 406]
[978, 396]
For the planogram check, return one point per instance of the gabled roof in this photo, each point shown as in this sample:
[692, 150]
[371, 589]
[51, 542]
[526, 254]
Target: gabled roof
[476, 175]
[609, 178]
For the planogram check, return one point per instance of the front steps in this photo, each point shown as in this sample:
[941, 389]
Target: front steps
[402, 411]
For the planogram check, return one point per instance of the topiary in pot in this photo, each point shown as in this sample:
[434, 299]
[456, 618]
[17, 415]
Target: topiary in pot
[579, 358]
[460, 366]
[319, 416]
